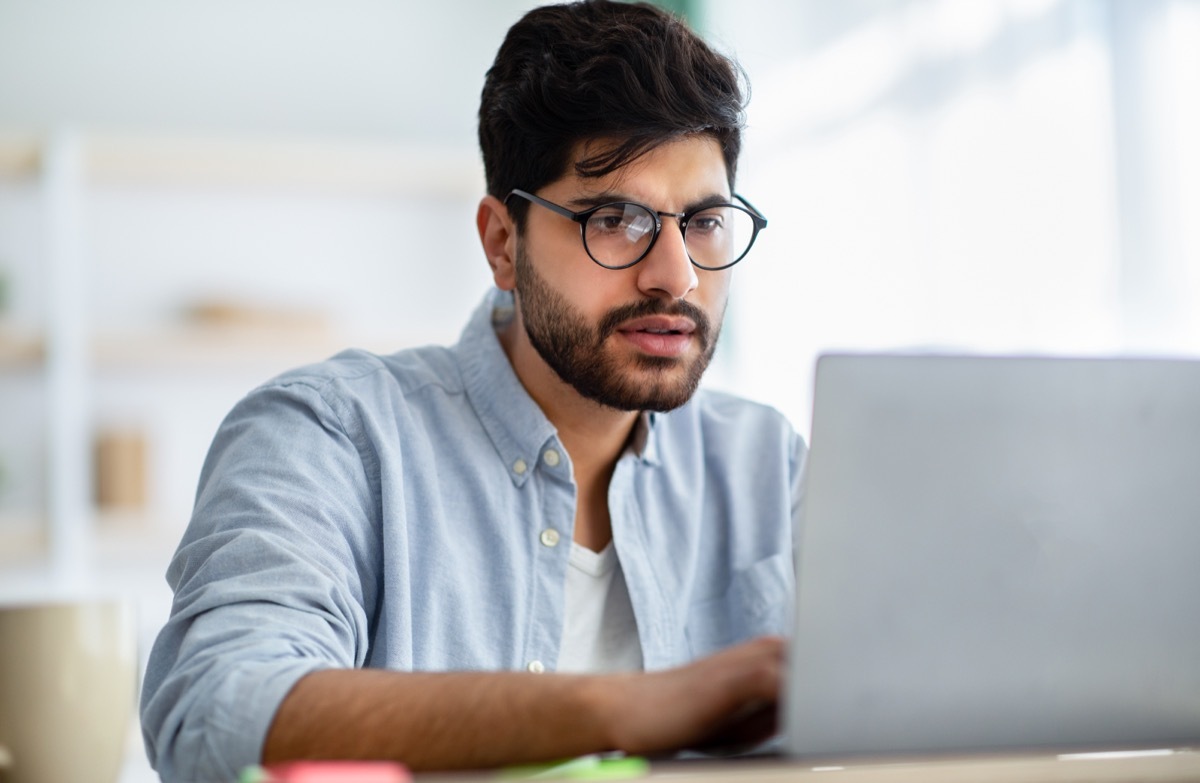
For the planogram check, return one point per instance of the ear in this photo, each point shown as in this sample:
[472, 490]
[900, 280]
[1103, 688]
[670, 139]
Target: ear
[499, 238]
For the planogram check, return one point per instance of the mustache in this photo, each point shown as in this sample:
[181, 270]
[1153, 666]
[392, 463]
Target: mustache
[680, 308]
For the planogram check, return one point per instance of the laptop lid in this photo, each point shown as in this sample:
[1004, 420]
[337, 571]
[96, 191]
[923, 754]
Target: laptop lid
[998, 553]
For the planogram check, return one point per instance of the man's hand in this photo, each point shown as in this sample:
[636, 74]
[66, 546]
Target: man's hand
[728, 698]
[476, 720]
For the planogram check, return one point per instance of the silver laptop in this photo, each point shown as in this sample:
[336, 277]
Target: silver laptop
[998, 554]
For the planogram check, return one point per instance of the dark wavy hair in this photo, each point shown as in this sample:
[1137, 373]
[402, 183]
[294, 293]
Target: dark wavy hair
[627, 72]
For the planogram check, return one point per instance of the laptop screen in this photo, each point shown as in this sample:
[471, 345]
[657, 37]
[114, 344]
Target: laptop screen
[998, 553]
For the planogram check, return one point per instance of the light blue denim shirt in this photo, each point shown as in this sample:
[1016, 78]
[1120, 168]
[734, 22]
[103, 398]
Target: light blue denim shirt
[400, 512]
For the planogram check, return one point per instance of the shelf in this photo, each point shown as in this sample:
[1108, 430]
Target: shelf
[204, 347]
[20, 156]
[22, 540]
[136, 538]
[59, 176]
[120, 539]
[337, 165]
[210, 347]
[19, 350]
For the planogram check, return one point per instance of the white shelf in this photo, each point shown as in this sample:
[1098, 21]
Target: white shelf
[20, 155]
[20, 350]
[122, 540]
[22, 539]
[182, 348]
[337, 165]
[65, 167]
[78, 366]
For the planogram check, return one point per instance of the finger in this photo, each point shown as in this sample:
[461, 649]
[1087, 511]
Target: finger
[750, 727]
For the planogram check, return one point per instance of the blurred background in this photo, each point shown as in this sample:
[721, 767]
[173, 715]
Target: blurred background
[196, 196]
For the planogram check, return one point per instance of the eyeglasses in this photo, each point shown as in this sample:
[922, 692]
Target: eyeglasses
[619, 234]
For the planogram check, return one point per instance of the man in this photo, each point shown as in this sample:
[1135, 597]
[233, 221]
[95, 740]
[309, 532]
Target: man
[542, 541]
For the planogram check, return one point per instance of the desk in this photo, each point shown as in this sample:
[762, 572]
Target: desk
[1181, 766]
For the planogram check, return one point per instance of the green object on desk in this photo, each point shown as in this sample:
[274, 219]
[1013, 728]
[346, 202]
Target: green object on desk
[583, 768]
[253, 774]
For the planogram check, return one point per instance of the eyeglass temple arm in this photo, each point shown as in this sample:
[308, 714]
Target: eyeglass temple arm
[543, 202]
[762, 221]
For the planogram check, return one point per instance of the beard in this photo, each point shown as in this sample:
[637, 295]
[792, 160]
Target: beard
[575, 349]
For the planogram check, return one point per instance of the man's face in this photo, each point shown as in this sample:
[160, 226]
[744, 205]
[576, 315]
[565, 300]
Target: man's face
[637, 338]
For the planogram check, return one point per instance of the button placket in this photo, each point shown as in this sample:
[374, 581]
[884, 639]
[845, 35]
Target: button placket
[553, 507]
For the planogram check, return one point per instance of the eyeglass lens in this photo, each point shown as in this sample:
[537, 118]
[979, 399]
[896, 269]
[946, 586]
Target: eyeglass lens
[620, 234]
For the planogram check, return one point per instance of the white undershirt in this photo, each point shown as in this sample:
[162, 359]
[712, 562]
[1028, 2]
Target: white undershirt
[599, 629]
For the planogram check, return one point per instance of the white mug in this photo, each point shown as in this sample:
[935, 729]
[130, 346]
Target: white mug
[68, 683]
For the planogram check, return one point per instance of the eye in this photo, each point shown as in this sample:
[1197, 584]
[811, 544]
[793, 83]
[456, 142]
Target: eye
[608, 219]
[707, 222]
[629, 220]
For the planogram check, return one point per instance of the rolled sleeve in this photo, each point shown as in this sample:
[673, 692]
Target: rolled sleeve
[275, 578]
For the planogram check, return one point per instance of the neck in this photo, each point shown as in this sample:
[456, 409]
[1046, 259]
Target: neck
[593, 434]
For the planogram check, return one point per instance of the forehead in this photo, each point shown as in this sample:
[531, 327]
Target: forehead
[687, 166]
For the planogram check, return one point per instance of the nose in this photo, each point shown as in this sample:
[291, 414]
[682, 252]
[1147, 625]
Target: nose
[667, 270]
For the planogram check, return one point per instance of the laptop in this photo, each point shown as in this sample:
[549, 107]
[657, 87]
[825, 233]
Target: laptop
[998, 554]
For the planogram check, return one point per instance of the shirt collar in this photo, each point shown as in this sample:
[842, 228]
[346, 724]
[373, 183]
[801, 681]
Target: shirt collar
[515, 424]
[644, 443]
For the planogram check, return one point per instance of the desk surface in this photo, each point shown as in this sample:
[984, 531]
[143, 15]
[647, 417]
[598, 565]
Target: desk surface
[1181, 766]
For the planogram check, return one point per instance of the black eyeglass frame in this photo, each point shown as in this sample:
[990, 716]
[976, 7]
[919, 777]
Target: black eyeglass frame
[582, 217]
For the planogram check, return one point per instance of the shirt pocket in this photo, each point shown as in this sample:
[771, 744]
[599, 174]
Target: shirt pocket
[757, 601]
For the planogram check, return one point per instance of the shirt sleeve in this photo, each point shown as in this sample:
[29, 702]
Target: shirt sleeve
[276, 577]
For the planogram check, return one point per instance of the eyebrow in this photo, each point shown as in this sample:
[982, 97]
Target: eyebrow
[580, 203]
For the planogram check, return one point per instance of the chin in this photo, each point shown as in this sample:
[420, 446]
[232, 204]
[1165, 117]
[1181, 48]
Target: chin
[646, 391]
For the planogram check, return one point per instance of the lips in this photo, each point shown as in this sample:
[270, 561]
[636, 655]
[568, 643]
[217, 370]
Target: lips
[659, 335]
[659, 324]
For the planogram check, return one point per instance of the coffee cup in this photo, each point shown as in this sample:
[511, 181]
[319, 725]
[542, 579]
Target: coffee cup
[68, 682]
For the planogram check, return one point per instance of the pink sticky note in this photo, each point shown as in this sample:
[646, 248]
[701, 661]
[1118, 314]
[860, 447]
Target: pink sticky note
[338, 772]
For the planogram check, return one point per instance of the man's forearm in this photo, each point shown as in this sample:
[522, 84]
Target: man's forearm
[440, 721]
[489, 719]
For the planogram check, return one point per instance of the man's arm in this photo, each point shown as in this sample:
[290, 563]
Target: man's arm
[477, 720]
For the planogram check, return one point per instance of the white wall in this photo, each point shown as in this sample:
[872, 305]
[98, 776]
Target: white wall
[370, 68]
[995, 176]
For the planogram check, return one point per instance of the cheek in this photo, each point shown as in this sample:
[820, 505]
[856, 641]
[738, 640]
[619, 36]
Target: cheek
[595, 292]
[559, 258]
[713, 289]
[588, 287]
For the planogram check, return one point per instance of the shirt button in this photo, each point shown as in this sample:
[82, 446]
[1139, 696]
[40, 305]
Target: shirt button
[537, 667]
[552, 458]
[519, 467]
[549, 537]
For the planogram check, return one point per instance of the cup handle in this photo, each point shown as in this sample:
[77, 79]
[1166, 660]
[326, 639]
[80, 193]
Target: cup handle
[5, 758]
